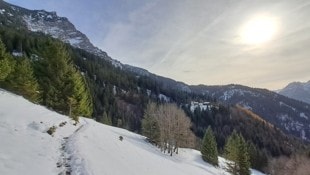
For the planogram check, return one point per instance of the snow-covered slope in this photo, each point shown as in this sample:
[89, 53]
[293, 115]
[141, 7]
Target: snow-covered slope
[25, 146]
[297, 90]
[90, 148]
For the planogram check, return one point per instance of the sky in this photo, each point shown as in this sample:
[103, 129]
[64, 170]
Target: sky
[258, 43]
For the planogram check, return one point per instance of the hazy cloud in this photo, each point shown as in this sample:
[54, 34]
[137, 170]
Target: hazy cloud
[196, 41]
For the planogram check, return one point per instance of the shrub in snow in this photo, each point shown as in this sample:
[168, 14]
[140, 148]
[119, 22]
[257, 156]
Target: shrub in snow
[62, 124]
[51, 130]
[121, 138]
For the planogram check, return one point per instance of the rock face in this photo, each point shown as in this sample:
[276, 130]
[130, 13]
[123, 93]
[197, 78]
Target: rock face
[51, 24]
[297, 90]
[61, 28]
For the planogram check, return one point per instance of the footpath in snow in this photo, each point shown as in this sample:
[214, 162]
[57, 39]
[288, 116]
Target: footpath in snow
[89, 148]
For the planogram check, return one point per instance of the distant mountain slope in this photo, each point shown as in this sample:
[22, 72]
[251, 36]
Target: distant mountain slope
[297, 90]
[90, 148]
[287, 114]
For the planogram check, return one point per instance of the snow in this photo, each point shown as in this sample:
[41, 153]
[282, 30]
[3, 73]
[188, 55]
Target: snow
[75, 41]
[163, 98]
[17, 54]
[303, 135]
[202, 106]
[90, 148]
[303, 115]
[2, 11]
[245, 105]
[117, 64]
[13, 8]
[24, 141]
[230, 93]
[286, 105]
[49, 17]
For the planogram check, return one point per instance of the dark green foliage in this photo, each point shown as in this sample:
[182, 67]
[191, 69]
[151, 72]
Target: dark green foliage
[5, 62]
[243, 157]
[80, 94]
[258, 158]
[231, 152]
[106, 119]
[236, 151]
[209, 148]
[22, 81]
[64, 88]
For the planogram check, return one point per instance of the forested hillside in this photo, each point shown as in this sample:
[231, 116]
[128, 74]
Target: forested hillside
[41, 69]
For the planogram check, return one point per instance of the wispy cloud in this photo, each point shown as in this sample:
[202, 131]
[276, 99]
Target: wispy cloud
[196, 41]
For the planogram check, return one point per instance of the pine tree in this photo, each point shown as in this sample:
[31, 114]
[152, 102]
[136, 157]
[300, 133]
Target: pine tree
[106, 119]
[231, 152]
[64, 88]
[80, 93]
[22, 81]
[209, 148]
[243, 157]
[253, 153]
[236, 151]
[5, 62]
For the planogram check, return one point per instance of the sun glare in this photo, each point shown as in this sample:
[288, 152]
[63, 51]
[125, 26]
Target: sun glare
[258, 30]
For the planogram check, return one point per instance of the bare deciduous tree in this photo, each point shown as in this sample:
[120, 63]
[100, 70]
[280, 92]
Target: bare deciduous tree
[173, 127]
[296, 164]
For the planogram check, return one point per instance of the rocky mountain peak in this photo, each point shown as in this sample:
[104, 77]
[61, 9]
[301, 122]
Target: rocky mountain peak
[51, 24]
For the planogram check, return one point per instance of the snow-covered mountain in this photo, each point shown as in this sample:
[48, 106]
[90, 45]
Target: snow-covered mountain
[89, 148]
[291, 116]
[51, 24]
[297, 90]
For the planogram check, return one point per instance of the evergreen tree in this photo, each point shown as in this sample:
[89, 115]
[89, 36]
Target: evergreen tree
[80, 93]
[231, 152]
[64, 88]
[236, 151]
[5, 62]
[258, 158]
[209, 148]
[22, 81]
[253, 153]
[243, 157]
[106, 119]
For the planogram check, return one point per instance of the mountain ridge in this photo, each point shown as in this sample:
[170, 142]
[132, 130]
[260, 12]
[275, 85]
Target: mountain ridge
[297, 90]
[291, 116]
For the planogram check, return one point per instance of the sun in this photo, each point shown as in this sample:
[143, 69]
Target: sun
[258, 30]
